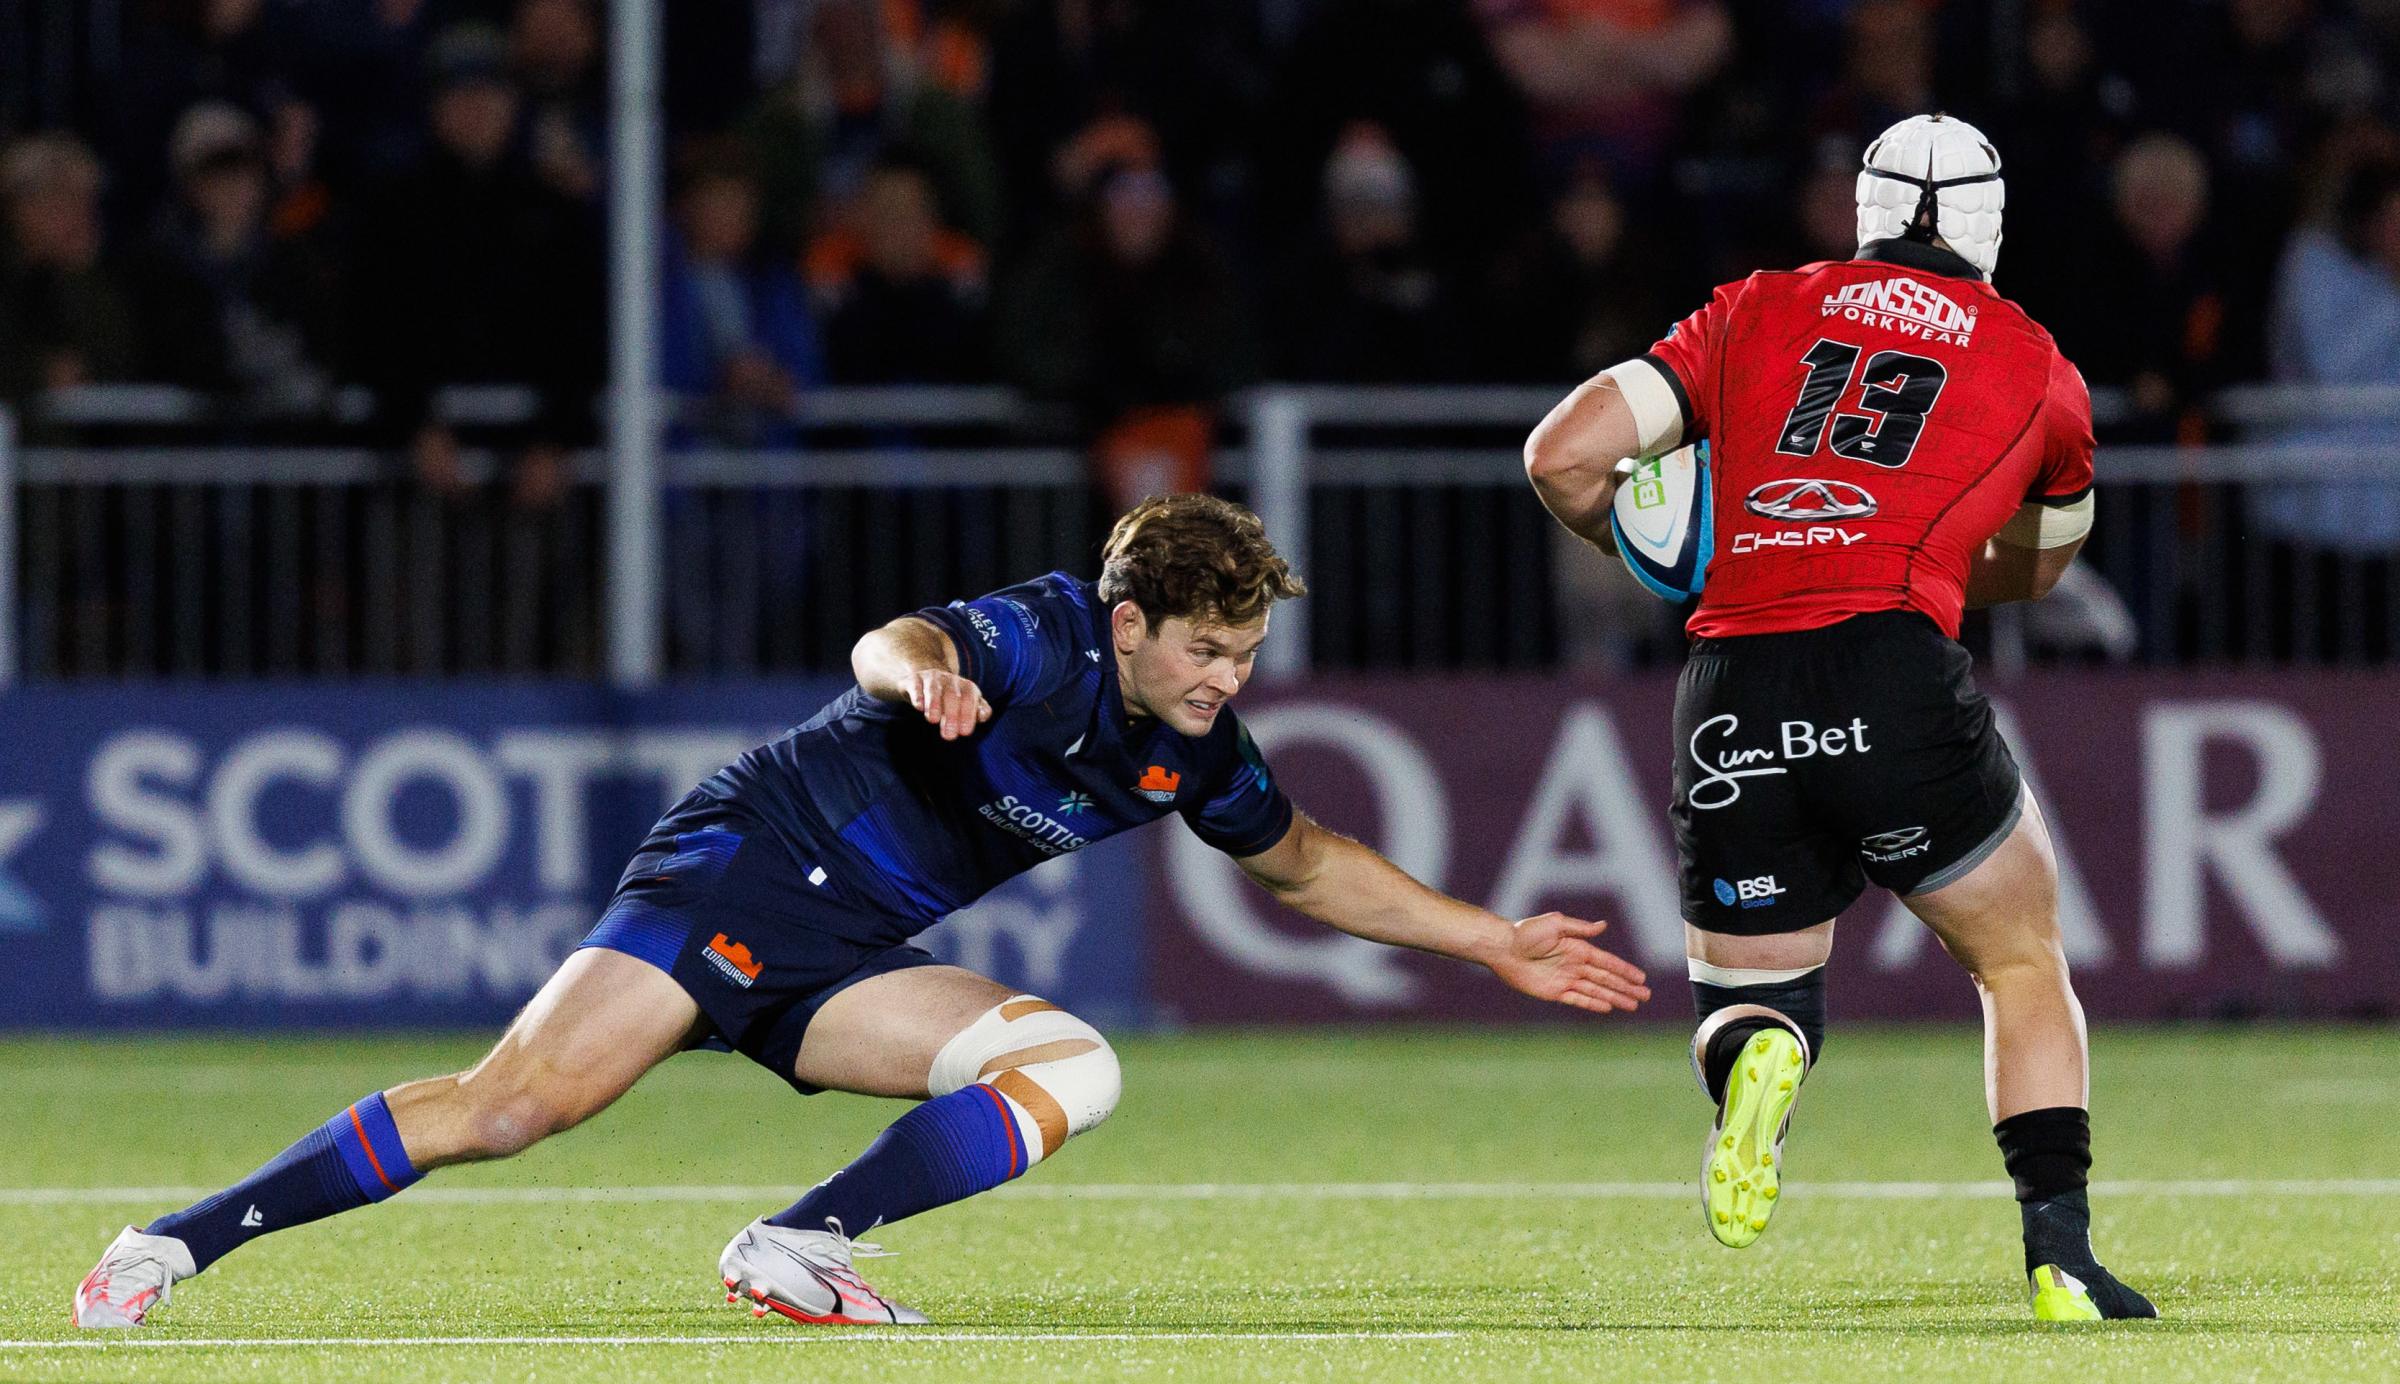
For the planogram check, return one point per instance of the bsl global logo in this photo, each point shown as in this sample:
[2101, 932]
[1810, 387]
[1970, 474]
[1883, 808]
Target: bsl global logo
[1759, 891]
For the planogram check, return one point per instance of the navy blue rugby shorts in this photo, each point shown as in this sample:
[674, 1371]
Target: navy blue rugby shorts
[714, 900]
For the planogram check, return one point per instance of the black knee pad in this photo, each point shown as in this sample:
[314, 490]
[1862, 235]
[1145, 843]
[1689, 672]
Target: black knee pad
[1801, 1000]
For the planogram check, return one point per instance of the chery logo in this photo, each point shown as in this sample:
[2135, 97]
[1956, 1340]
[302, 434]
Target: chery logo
[1894, 840]
[1809, 502]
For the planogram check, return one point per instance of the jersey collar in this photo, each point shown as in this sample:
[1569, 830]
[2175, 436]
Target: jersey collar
[1111, 714]
[1917, 255]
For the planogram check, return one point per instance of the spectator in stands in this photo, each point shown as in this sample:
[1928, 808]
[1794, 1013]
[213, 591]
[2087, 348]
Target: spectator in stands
[554, 52]
[2062, 131]
[360, 65]
[230, 306]
[2336, 321]
[1197, 74]
[177, 54]
[1582, 292]
[1576, 297]
[64, 317]
[1364, 300]
[481, 273]
[735, 326]
[854, 102]
[1827, 207]
[1423, 72]
[902, 294]
[1606, 78]
[2149, 312]
[1887, 71]
[1128, 312]
[2269, 69]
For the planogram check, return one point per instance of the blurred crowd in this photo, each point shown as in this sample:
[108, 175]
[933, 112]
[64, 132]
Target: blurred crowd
[1135, 208]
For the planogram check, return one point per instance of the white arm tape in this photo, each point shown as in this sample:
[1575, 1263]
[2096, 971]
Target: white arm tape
[2048, 526]
[1657, 418]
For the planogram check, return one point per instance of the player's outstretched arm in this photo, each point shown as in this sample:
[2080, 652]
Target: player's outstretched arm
[913, 661]
[1337, 881]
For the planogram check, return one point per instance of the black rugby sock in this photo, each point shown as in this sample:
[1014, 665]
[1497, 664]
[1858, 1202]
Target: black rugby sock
[2048, 1153]
[1800, 1001]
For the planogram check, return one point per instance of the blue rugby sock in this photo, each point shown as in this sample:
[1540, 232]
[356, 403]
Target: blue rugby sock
[351, 1160]
[947, 1149]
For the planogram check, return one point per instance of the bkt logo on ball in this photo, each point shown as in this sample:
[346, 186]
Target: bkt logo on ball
[1797, 501]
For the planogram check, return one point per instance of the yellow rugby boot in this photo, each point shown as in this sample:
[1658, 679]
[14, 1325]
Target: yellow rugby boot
[2059, 1296]
[1741, 1171]
[2067, 1280]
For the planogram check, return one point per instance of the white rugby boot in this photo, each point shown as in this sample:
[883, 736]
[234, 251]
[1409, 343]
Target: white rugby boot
[806, 1275]
[137, 1273]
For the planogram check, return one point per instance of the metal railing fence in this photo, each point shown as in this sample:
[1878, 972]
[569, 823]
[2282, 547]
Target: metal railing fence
[1406, 508]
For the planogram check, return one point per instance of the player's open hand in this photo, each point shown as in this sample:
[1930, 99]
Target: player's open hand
[1552, 958]
[948, 701]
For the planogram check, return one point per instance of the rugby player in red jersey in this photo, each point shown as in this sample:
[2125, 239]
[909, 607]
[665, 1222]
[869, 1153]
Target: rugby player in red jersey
[1891, 442]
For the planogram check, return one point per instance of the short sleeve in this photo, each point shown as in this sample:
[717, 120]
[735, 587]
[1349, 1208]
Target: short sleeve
[1016, 643]
[1244, 812]
[2066, 474]
[1687, 356]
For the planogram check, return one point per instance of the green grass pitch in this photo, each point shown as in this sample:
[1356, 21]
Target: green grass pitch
[1531, 1217]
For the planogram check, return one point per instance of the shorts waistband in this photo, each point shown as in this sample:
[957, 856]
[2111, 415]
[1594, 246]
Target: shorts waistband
[1874, 624]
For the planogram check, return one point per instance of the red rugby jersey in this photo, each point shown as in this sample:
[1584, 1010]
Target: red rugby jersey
[1870, 424]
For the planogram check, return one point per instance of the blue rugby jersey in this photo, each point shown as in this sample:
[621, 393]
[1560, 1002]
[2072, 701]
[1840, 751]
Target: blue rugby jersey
[906, 824]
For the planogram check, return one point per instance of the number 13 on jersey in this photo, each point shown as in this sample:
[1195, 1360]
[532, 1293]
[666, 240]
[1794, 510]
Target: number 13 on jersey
[1896, 387]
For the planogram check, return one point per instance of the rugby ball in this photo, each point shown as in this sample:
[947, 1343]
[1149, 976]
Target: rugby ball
[1663, 523]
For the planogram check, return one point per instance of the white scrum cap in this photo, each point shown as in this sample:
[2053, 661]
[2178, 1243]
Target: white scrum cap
[1937, 164]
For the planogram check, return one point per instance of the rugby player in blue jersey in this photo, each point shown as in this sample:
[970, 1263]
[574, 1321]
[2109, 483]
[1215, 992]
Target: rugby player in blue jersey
[771, 910]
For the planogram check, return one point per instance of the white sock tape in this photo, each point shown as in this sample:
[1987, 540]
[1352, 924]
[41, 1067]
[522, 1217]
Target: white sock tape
[1730, 977]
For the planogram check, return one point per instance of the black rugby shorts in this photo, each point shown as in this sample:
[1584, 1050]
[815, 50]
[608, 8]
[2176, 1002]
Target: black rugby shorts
[1808, 764]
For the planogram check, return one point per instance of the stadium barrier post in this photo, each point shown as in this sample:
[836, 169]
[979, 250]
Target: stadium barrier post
[1279, 426]
[634, 500]
[8, 548]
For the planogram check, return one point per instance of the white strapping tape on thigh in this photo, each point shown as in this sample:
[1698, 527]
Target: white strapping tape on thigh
[1052, 1100]
[1734, 977]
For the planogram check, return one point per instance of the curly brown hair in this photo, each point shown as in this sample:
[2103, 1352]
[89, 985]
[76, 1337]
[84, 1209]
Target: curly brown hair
[1194, 556]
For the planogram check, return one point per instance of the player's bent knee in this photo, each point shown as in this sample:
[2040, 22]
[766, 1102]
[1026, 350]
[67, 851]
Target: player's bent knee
[2006, 953]
[504, 1123]
[503, 1129]
[1060, 1077]
[2029, 965]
